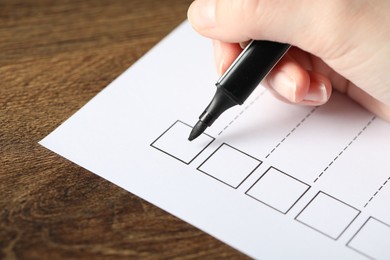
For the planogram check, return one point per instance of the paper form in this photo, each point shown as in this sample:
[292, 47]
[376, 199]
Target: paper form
[273, 180]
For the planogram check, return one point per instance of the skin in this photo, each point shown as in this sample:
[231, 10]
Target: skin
[341, 45]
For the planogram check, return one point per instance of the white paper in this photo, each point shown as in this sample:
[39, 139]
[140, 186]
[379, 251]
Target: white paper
[273, 180]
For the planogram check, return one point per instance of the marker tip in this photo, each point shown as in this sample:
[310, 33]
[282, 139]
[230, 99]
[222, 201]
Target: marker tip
[197, 130]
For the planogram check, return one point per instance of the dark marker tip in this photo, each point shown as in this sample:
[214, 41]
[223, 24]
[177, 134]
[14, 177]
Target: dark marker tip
[197, 130]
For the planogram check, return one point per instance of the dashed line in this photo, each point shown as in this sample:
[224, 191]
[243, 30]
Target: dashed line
[346, 147]
[295, 128]
[376, 193]
[242, 112]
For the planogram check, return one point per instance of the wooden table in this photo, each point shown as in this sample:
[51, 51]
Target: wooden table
[54, 57]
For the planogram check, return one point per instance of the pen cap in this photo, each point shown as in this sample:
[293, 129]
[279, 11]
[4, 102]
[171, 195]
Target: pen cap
[250, 68]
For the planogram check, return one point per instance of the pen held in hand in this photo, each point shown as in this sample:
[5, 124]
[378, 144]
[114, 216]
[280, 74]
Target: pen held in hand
[241, 78]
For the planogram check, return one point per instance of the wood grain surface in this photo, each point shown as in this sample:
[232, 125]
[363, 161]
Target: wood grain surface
[55, 55]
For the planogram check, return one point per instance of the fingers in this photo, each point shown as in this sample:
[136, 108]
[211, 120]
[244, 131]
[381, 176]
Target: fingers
[291, 80]
[319, 91]
[292, 83]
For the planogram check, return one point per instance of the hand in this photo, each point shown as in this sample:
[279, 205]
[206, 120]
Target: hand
[344, 44]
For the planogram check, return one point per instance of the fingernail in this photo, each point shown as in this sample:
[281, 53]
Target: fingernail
[244, 44]
[284, 85]
[317, 94]
[202, 13]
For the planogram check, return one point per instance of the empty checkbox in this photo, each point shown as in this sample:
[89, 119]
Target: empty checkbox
[328, 215]
[372, 239]
[277, 190]
[229, 165]
[174, 142]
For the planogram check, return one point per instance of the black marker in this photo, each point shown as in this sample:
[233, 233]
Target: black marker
[239, 81]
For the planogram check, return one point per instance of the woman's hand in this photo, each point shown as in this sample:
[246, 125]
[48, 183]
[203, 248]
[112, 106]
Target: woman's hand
[344, 44]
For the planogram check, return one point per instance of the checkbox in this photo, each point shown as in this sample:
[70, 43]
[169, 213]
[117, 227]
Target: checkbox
[277, 190]
[174, 142]
[229, 165]
[372, 239]
[328, 215]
